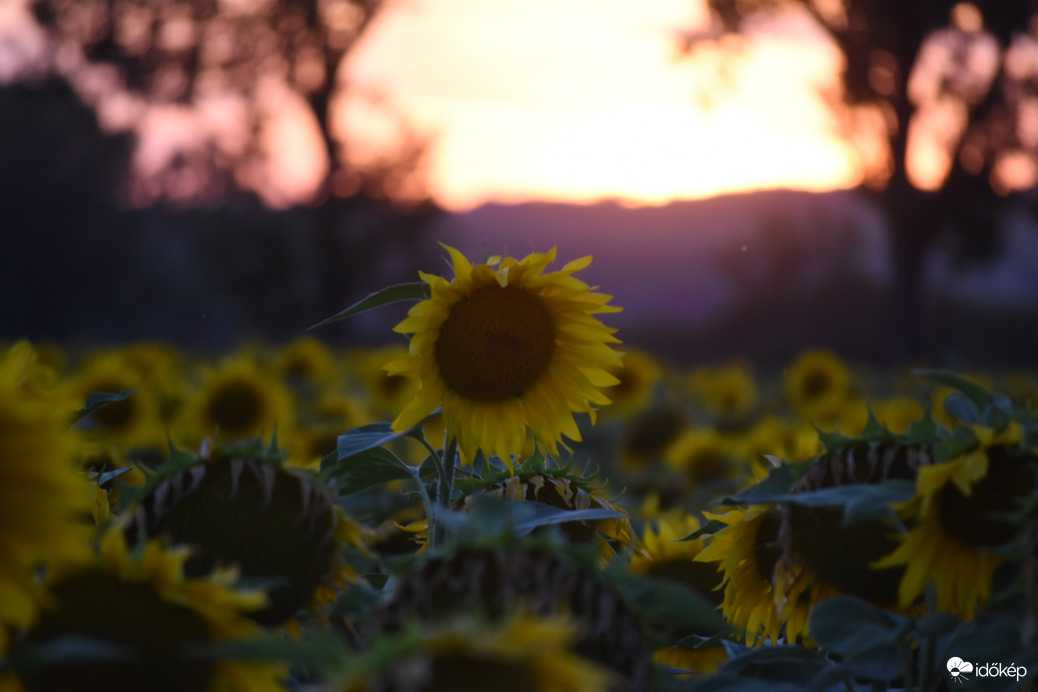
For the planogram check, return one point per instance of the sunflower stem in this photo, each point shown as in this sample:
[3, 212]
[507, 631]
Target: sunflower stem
[444, 488]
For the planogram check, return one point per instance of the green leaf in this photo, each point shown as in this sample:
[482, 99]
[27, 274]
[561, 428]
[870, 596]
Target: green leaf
[365, 469]
[668, 604]
[959, 442]
[414, 291]
[98, 400]
[977, 394]
[960, 406]
[364, 438]
[855, 629]
[779, 481]
[708, 529]
[874, 501]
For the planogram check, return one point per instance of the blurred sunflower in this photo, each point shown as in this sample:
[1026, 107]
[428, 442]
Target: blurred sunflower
[45, 505]
[959, 521]
[523, 653]
[243, 507]
[319, 423]
[147, 621]
[818, 383]
[702, 456]
[728, 391]
[638, 376]
[899, 412]
[237, 401]
[387, 394]
[307, 360]
[134, 422]
[505, 350]
[774, 436]
[647, 436]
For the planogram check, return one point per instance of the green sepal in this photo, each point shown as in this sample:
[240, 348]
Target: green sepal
[959, 442]
[413, 291]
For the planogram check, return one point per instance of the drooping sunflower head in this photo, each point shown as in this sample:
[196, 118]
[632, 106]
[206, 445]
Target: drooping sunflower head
[747, 552]
[240, 507]
[961, 517]
[505, 348]
[820, 544]
[522, 653]
[496, 582]
[148, 626]
[45, 505]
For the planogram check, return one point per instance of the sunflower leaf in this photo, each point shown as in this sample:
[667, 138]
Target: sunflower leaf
[708, 529]
[365, 469]
[413, 291]
[855, 629]
[98, 400]
[366, 437]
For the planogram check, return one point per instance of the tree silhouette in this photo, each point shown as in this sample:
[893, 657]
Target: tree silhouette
[233, 59]
[951, 89]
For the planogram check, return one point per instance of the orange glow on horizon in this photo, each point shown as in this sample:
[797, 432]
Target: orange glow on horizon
[588, 100]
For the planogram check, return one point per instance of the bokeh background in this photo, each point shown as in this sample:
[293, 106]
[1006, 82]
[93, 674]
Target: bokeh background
[753, 177]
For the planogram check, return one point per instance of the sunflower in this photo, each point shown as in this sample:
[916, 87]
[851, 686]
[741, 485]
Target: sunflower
[505, 350]
[45, 504]
[638, 378]
[818, 383]
[387, 394]
[237, 401]
[648, 435]
[239, 507]
[749, 557]
[899, 412]
[958, 530]
[728, 391]
[134, 422]
[702, 456]
[666, 556]
[306, 359]
[151, 616]
[524, 653]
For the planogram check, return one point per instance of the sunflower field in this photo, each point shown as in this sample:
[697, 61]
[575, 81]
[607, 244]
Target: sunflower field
[508, 498]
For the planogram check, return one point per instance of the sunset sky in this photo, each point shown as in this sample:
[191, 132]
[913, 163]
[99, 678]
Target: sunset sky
[580, 100]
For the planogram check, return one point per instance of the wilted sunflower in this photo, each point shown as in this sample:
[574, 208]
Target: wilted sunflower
[150, 624]
[240, 506]
[523, 653]
[958, 528]
[505, 347]
[45, 505]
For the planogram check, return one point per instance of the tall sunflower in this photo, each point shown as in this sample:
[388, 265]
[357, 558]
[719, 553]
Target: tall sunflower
[140, 607]
[505, 347]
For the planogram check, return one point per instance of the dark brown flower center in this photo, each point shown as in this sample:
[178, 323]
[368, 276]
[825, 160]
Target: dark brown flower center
[144, 631]
[650, 433]
[974, 519]
[495, 344]
[816, 384]
[276, 526]
[236, 407]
